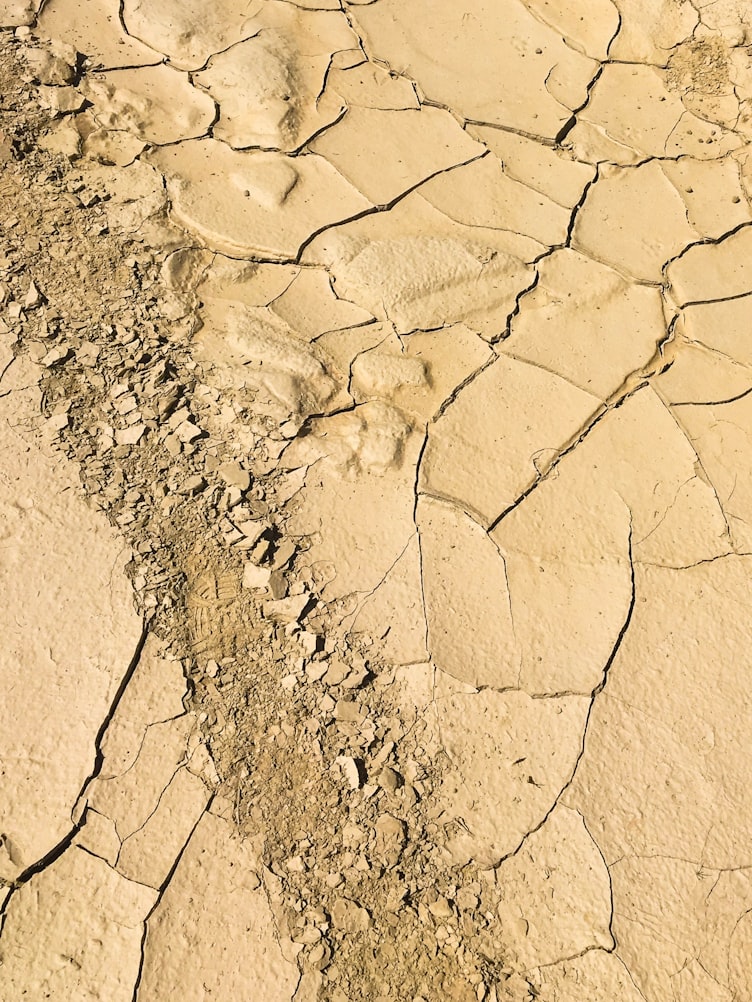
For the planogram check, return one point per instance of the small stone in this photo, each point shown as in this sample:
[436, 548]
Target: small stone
[193, 485]
[315, 670]
[350, 770]
[58, 421]
[285, 551]
[63, 138]
[173, 445]
[320, 955]
[251, 530]
[88, 199]
[287, 610]
[61, 99]
[349, 916]
[390, 838]
[308, 641]
[33, 297]
[355, 678]
[389, 780]
[395, 898]
[337, 672]
[88, 353]
[466, 900]
[187, 431]
[130, 436]
[278, 584]
[440, 908]
[409, 797]
[113, 147]
[55, 68]
[232, 497]
[104, 443]
[309, 935]
[228, 530]
[124, 405]
[54, 356]
[260, 551]
[326, 704]
[234, 475]
[254, 577]
[349, 711]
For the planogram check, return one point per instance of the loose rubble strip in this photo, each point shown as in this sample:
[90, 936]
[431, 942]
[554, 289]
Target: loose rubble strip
[376, 412]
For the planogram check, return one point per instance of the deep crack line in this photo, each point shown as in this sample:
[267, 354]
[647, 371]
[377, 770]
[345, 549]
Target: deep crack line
[385, 207]
[160, 895]
[564, 131]
[635, 381]
[57, 851]
[593, 696]
[421, 562]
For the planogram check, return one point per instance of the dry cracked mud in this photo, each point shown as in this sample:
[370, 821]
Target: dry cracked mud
[376, 505]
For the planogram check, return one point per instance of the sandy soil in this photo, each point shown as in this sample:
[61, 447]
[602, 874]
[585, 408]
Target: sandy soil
[375, 424]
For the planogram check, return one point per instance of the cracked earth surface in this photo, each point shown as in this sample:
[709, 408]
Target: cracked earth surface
[376, 411]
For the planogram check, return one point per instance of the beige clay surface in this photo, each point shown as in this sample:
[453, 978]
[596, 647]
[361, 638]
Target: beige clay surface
[375, 501]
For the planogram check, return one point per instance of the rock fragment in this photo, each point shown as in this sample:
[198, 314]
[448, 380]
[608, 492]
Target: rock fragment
[390, 839]
[287, 610]
[54, 65]
[351, 771]
[256, 578]
[350, 917]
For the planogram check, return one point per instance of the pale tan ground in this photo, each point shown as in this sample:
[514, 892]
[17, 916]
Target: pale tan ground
[375, 550]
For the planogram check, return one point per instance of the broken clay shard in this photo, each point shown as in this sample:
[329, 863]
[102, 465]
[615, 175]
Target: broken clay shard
[562, 855]
[256, 351]
[14, 13]
[73, 610]
[216, 877]
[77, 894]
[713, 271]
[589, 306]
[666, 657]
[615, 227]
[422, 281]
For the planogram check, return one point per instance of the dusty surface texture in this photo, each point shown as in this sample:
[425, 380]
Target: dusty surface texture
[375, 501]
